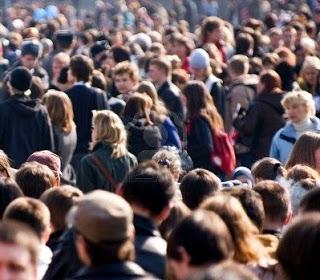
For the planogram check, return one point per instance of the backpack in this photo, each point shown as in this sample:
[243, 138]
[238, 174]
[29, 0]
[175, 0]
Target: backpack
[223, 155]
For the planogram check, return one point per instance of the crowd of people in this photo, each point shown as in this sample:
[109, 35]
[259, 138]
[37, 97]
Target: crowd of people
[148, 143]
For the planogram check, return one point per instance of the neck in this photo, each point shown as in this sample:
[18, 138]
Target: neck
[161, 81]
[271, 225]
[138, 210]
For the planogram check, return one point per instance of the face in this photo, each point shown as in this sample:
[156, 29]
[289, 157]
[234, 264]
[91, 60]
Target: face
[215, 35]
[199, 74]
[29, 61]
[15, 263]
[310, 75]
[124, 83]
[289, 37]
[154, 73]
[296, 112]
[56, 68]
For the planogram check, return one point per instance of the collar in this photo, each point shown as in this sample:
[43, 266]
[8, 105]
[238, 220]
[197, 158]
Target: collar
[145, 226]
[87, 84]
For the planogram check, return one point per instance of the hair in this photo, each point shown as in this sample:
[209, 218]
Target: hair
[180, 77]
[59, 201]
[300, 172]
[60, 110]
[298, 251]
[81, 67]
[271, 81]
[18, 234]
[149, 186]
[239, 64]
[120, 54]
[209, 233]
[62, 57]
[252, 203]
[244, 42]
[208, 25]
[267, 168]
[99, 80]
[303, 151]
[163, 64]
[197, 185]
[5, 164]
[126, 67]
[276, 200]
[270, 59]
[244, 233]
[29, 211]
[108, 127]
[9, 191]
[168, 159]
[37, 88]
[200, 102]
[311, 201]
[34, 178]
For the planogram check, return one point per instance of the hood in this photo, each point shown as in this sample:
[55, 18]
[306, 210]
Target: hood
[25, 106]
[272, 99]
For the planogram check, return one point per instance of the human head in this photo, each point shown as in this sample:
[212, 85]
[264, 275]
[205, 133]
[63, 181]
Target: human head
[31, 212]
[289, 35]
[59, 201]
[4, 165]
[19, 250]
[159, 70]
[81, 68]
[59, 61]
[310, 70]
[9, 191]
[126, 77]
[267, 168]
[138, 106]
[103, 223]
[211, 30]
[20, 81]
[270, 82]
[200, 64]
[60, 109]
[170, 160]
[310, 201]
[244, 44]
[276, 203]
[243, 174]
[300, 172]
[198, 185]
[108, 127]
[64, 39]
[209, 232]
[151, 188]
[30, 52]
[238, 65]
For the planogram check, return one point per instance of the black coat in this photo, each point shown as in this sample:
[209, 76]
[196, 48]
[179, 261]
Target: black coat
[263, 120]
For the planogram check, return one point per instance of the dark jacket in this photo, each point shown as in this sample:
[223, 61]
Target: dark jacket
[113, 271]
[25, 128]
[150, 246]
[214, 85]
[84, 99]
[144, 139]
[89, 176]
[263, 120]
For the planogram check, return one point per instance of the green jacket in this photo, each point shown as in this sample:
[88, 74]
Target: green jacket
[89, 176]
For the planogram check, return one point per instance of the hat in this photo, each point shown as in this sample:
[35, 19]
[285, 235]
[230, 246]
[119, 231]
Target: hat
[142, 39]
[64, 36]
[99, 47]
[199, 59]
[243, 171]
[31, 47]
[21, 78]
[47, 158]
[102, 216]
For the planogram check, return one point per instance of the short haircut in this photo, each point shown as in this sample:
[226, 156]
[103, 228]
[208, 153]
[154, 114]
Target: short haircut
[29, 211]
[120, 53]
[149, 186]
[300, 97]
[276, 201]
[59, 201]
[163, 64]
[9, 191]
[271, 81]
[81, 67]
[311, 201]
[239, 64]
[204, 236]
[267, 169]
[244, 42]
[197, 185]
[126, 67]
[34, 178]
[300, 172]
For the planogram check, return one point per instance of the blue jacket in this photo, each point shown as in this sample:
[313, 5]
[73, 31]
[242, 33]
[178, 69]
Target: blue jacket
[285, 138]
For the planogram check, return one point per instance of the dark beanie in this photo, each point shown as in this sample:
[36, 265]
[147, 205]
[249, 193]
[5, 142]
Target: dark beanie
[21, 78]
[31, 47]
[99, 47]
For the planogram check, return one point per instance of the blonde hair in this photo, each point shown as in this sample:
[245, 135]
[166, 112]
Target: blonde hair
[60, 110]
[62, 57]
[300, 97]
[108, 127]
[169, 159]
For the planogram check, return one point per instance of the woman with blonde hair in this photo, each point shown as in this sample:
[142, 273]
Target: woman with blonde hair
[109, 161]
[159, 116]
[60, 110]
[300, 110]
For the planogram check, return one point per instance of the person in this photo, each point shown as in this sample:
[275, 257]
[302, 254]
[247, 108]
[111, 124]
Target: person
[19, 250]
[104, 238]
[60, 110]
[84, 99]
[5, 168]
[203, 120]
[109, 140]
[213, 239]
[149, 189]
[300, 109]
[59, 61]
[36, 215]
[267, 168]
[144, 137]
[9, 191]
[310, 201]
[33, 129]
[159, 114]
[263, 119]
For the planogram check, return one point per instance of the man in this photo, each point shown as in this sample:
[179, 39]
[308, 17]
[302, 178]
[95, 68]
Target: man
[25, 126]
[104, 236]
[149, 189]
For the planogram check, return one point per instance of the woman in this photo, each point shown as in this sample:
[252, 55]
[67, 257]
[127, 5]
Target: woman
[61, 114]
[264, 118]
[203, 120]
[109, 162]
[60, 61]
[300, 110]
[159, 116]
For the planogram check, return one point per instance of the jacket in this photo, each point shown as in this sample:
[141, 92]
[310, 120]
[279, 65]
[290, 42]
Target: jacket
[84, 100]
[113, 271]
[285, 138]
[89, 176]
[25, 128]
[150, 247]
[263, 120]
[214, 85]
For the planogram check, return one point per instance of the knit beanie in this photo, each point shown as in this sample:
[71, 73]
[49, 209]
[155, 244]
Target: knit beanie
[199, 59]
[21, 78]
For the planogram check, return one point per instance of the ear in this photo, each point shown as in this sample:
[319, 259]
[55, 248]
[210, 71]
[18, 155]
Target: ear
[164, 214]
[288, 218]
[184, 256]
[82, 250]
[119, 191]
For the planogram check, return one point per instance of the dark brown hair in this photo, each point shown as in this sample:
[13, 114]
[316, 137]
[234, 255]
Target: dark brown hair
[271, 82]
[81, 67]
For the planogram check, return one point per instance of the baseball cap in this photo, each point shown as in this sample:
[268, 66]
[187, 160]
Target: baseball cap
[47, 158]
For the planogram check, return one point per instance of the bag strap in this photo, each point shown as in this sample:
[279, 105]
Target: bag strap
[105, 172]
